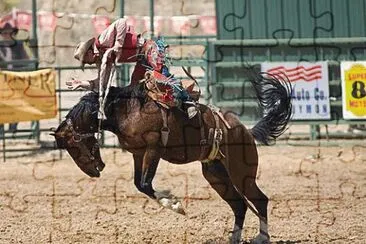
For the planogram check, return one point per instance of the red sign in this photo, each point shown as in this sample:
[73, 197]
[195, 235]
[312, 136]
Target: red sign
[7, 19]
[157, 24]
[180, 25]
[100, 23]
[24, 20]
[47, 21]
[208, 24]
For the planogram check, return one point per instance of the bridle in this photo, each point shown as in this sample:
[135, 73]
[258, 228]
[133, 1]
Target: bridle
[78, 137]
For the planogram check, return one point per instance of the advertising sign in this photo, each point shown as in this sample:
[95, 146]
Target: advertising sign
[353, 76]
[310, 95]
[26, 96]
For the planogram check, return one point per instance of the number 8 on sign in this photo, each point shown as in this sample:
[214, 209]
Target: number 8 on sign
[358, 89]
[354, 90]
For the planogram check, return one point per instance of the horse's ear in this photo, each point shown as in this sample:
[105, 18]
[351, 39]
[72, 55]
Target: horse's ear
[53, 129]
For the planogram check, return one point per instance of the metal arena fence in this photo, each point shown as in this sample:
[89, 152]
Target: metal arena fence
[210, 73]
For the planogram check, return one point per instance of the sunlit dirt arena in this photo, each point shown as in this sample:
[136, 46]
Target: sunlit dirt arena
[317, 195]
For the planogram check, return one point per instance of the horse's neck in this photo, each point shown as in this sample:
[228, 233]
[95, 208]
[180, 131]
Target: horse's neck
[126, 106]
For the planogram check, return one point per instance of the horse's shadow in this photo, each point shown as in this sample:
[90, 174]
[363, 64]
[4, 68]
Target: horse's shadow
[218, 240]
[222, 241]
[286, 242]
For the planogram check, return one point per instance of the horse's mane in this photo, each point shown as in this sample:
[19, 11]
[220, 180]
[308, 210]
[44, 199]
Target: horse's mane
[87, 108]
[128, 92]
[84, 110]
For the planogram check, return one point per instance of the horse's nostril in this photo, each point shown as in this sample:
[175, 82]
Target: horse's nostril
[101, 166]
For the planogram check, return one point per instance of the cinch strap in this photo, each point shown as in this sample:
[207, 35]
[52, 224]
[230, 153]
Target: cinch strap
[215, 152]
[165, 129]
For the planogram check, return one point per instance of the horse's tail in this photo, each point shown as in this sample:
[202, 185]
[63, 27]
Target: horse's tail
[274, 96]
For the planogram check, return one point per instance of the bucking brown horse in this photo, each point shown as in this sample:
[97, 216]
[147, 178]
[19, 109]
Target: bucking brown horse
[226, 148]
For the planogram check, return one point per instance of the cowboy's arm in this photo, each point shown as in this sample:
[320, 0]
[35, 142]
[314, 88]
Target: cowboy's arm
[104, 71]
[91, 85]
[108, 60]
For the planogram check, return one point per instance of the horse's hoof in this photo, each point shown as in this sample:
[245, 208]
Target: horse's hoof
[172, 204]
[261, 239]
[178, 208]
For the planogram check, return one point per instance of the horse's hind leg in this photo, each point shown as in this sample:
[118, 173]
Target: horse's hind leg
[241, 163]
[244, 182]
[215, 173]
[260, 202]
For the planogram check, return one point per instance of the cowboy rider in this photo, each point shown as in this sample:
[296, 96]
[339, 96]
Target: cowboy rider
[117, 43]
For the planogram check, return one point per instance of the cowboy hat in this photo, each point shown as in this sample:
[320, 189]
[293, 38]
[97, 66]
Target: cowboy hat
[82, 48]
[8, 29]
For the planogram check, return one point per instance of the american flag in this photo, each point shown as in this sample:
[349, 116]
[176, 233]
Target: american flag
[298, 73]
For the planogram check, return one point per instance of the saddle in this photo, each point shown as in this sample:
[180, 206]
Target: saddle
[165, 90]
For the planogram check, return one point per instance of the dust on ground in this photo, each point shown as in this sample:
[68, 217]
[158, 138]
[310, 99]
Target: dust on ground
[317, 195]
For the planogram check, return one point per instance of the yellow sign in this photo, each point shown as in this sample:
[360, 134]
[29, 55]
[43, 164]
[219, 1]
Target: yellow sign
[26, 96]
[354, 90]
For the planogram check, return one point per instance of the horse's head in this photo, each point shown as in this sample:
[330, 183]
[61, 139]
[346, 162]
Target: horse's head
[82, 147]
[76, 135]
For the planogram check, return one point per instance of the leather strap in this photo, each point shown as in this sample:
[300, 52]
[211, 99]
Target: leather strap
[215, 151]
[204, 143]
[164, 131]
[217, 111]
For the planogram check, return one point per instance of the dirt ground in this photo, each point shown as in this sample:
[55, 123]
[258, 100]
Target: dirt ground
[317, 195]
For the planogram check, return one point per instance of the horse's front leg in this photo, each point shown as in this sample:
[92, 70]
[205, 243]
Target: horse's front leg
[145, 169]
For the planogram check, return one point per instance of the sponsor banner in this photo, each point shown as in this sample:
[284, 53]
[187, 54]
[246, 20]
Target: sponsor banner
[208, 24]
[100, 23]
[26, 96]
[158, 24]
[24, 20]
[180, 25]
[353, 75]
[7, 19]
[310, 94]
[47, 21]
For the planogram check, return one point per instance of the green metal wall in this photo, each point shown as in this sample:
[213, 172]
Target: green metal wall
[255, 31]
[266, 19]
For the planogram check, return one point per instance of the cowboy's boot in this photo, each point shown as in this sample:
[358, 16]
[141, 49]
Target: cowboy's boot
[191, 109]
